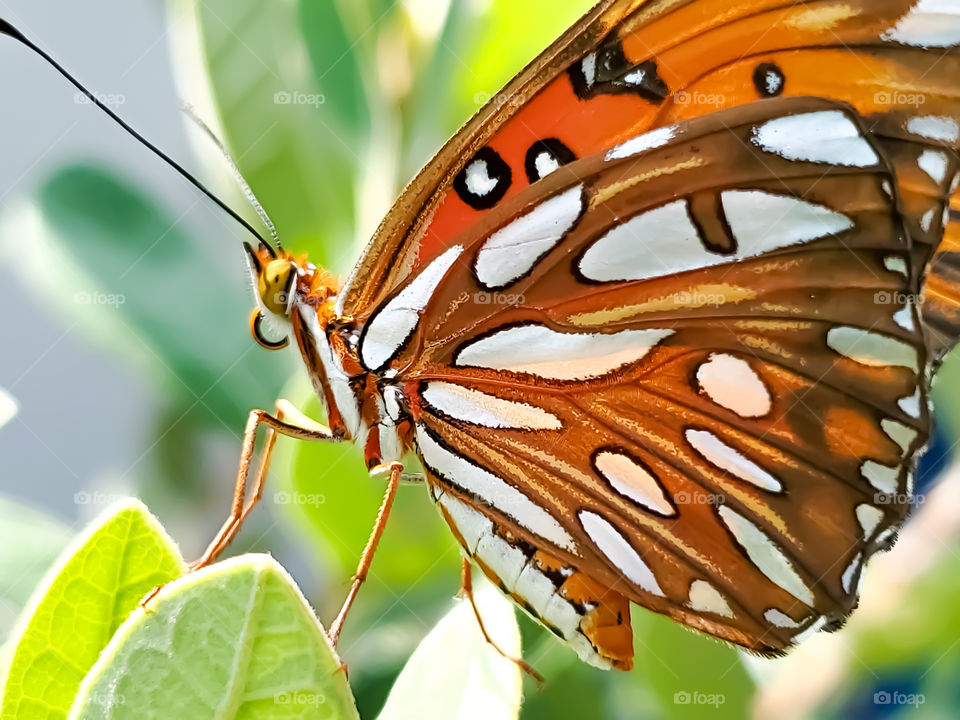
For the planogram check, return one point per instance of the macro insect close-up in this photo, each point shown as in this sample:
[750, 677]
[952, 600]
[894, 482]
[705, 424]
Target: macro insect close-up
[636, 401]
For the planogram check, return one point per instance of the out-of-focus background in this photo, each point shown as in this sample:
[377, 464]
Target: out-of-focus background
[125, 345]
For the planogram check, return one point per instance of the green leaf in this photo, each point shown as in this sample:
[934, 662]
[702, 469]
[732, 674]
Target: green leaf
[8, 407]
[96, 585]
[30, 542]
[290, 114]
[236, 640]
[456, 674]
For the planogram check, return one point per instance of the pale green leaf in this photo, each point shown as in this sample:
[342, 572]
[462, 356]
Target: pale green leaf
[234, 641]
[84, 599]
[455, 674]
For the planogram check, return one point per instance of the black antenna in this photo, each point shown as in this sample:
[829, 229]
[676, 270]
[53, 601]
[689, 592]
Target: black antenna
[7, 29]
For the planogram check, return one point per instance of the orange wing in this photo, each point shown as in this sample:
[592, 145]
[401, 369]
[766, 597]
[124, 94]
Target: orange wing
[708, 389]
[630, 66]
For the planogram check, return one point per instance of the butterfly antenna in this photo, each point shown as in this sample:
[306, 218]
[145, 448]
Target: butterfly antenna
[237, 175]
[7, 29]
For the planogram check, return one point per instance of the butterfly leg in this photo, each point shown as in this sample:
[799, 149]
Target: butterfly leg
[288, 421]
[466, 588]
[395, 471]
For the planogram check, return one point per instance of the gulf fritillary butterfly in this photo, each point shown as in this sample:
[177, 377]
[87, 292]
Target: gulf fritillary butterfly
[711, 391]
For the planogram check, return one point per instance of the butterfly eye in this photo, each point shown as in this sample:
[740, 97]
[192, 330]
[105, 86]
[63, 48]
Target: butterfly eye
[275, 286]
[545, 156]
[484, 181]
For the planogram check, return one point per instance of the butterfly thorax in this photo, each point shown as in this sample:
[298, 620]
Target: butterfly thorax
[296, 298]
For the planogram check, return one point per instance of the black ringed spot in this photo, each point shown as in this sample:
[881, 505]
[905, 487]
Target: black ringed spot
[769, 80]
[550, 150]
[484, 180]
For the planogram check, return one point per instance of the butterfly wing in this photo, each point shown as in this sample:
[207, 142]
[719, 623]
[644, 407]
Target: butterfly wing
[687, 372]
[628, 67]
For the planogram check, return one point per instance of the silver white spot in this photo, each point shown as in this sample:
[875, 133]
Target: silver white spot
[478, 178]
[847, 580]
[934, 163]
[780, 619]
[490, 411]
[872, 349]
[634, 481]
[731, 383]
[930, 23]
[869, 518]
[502, 558]
[768, 558]
[762, 222]
[895, 264]
[492, 490]
[935, 127]
[825, 136]
[471, 524]
[898, 432]
[911, 404]
[723, 456]
[393, 323]
[648, 141]
[704, 597]
[540, 351]
[511, 252]
[619, 552]
[883, 478]
[536, 588]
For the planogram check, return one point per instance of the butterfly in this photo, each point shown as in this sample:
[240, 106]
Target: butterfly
[660, 321]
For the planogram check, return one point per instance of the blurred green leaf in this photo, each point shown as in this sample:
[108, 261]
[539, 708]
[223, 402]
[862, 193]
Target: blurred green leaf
[290, 115]
[236, 640]
[30, 542]
[136, 281]
[98, 582]
[455, 673]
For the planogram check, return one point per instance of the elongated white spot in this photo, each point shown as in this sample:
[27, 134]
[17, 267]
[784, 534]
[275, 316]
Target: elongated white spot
[869, 518]
[661, 241]
[872, 349]
[935, 127]
[731, 383]
[762, 222]
[934, 163]
[535, 587]
[492, 490]
[589, 67]
[825, 136]
[511, 252]
[502, 558]
[720, 454]
[883, 478]
[898, 432]
[619, 552]
[337, 380]
[704, 597]
[780, 619]
[633, 480]
[562, 615]
[642, 143]
[393, 324]
[850, 573]
[904, 318]
[911, 404]
[471, 524]
[930, 23]
[540, 351]
[768, 558]
[895, 264]
[490, 411]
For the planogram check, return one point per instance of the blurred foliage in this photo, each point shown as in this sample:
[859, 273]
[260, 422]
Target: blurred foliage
[329, 107]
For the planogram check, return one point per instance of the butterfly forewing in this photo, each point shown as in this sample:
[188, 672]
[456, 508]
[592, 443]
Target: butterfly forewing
[706, 388]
